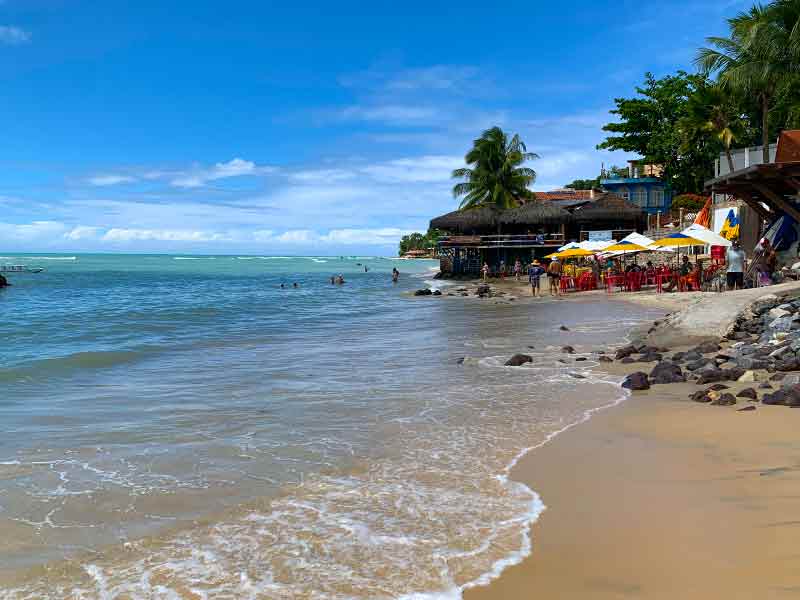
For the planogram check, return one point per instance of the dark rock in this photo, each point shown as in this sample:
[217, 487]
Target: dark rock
[765, 386]
[775, 398]
[577, 376]
[746, 408]
[636, 381]
[724, 400]
[425, 292]
[625, 352]
[678, 356]
[460, 361]
[790, 364]
[652, 357]
[750, 364]
[531, 347]
[666, 372]
[483, 289]
[739, 335]
[718, 387]
[437, 293]
[707, 347]
[606, 359]
[700, 396]
[777, 377]
[692, 355]
[792, 397]
[568, 350]
[693, 366]
[627, 360]
[3, 282]
[564, 328]
[518, 360]
[733, 374]
[580, 358]
[747, 393]
[711, 377]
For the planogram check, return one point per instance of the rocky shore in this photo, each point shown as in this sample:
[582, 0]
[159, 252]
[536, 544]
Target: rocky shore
[761, 349]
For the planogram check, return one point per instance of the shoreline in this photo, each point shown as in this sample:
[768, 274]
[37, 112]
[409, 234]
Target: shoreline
[596, 559]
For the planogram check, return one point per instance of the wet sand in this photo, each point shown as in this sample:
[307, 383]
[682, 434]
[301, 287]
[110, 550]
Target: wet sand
[662, 497]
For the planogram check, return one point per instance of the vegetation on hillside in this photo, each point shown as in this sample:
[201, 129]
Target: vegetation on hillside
[419, 241]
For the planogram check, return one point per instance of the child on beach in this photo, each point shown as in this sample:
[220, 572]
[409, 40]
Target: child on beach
[535, 272]
[517, 269]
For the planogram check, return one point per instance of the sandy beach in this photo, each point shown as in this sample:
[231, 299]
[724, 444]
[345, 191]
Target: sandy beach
[662, 497]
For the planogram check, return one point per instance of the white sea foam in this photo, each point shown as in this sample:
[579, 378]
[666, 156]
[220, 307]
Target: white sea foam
[194, 258]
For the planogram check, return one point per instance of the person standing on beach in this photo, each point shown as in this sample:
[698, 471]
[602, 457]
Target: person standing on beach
[736, 260]
[517, 269]
[535, 272]
[502, 269]
[554, 277]
[485, 271]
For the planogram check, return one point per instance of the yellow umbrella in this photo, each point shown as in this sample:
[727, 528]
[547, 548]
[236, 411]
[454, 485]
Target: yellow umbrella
[625, 246]
[677, 240]
[572, 252]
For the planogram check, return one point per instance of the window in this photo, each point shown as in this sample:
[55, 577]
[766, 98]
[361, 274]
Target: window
[640, 197]
[657, 198]
[623, 192]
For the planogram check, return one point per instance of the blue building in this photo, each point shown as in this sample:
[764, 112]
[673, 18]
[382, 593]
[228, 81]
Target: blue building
[643, 187]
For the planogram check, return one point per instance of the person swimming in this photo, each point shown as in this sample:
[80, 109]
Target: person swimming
[295, 285]
[395, 274]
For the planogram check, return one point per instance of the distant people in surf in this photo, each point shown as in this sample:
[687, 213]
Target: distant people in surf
[395, 275]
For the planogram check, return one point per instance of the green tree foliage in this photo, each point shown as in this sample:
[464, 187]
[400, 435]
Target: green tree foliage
[759, 58]
[584, 184]
[691, 202]
[710, 110]
[419, 241]
[495, 176]
[647, 125]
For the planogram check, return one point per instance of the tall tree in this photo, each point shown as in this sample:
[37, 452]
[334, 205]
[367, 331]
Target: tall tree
[495, 176]
[759, 57]
[710, 110]
[647, 126]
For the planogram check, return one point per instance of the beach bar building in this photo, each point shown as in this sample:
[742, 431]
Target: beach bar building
[538, 227]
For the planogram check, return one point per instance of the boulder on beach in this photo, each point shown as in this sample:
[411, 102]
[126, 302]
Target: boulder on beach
[568, 350]
[666, 372]
[724, 400]
[483, 289]
[564, 328]
[423, 292]
[624, 352]
[748, 393]
[746, 408]
[707, 348]
[518, 360]
[3, 282]
[636, 381]
[606, 359]
[700, 396]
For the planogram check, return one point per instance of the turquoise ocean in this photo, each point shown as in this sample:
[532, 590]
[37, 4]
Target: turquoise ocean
[183, 427]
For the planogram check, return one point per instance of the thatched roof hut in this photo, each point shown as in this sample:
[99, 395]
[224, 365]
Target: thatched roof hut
[532, 213]
[610, 208]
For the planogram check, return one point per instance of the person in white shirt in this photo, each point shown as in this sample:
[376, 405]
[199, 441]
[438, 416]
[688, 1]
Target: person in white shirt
[736, 260]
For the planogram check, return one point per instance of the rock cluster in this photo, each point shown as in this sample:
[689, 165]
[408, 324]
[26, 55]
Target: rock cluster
[763, 346]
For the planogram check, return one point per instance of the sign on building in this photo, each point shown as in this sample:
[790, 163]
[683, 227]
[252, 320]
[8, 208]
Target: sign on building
[600, 236]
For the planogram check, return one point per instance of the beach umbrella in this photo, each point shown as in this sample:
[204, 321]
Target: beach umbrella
[574, 252]
[704, 233]
[626, 246]
[569, 246]
[676, 240]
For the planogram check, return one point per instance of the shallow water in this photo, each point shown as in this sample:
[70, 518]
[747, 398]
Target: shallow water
[181, 427]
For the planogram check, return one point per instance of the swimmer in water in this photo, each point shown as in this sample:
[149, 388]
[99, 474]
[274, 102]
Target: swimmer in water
[395, 274]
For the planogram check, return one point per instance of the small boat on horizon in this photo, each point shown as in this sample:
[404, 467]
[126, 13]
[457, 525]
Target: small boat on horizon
[20, 269]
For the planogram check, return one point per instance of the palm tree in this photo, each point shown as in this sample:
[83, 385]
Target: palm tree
[710, 111]
[759, 56]
[495, 177]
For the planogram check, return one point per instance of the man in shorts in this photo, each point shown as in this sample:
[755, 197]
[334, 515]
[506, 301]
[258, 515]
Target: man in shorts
[736, 262]
[554, 277]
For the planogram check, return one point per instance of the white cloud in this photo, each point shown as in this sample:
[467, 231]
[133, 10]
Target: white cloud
[297, 236]
[104, 180]
[82, 232]
[162, 235]
[233, 168]
[11, 35]
[382, 236]
[394, 114]
[418, 169]
[321, 175]
[43, 232]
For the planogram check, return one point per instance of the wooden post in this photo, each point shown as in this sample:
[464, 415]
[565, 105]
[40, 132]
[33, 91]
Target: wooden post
[658, 220]
[779, 201]
[754, 204]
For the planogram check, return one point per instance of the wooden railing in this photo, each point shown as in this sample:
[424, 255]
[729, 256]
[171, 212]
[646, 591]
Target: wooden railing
[502, 241]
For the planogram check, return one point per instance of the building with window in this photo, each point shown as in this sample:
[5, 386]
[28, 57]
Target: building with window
[643, 187]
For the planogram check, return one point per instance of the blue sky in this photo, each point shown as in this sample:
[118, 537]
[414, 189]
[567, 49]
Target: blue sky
[300, 128]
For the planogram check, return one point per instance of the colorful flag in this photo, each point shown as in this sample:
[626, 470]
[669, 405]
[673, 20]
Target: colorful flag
[704, 216]
[730, 228]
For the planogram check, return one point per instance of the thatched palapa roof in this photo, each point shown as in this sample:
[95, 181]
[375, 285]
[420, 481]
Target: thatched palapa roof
[608, 207]
[533, 212]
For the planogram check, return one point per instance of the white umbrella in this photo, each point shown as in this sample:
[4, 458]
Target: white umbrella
[569, 246]
[704, 234]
